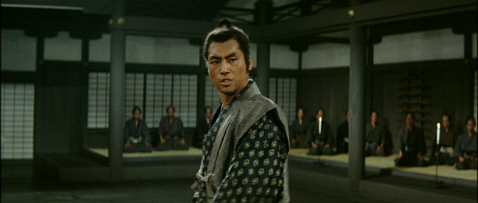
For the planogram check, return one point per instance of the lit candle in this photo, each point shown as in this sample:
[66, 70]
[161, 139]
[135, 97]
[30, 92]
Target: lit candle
[438, 133]
[320, 125]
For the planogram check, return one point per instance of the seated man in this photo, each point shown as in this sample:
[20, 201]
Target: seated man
[298, 131]
[466, 147]
[202, 128]
[411, 144]
[320, 136]
[136, 134]
[342, 138]
[375, 140]
[171, 132]
[444, 150]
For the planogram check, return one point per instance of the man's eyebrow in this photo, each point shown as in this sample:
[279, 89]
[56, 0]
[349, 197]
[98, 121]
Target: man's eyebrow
[231, 55]
[228, 56]
[214, 57]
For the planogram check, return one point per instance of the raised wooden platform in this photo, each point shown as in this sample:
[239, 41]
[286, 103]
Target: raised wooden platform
[92, 165]
[168, 153]
[386, 164]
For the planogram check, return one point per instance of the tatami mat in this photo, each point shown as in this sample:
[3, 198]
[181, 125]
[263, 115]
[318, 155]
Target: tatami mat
[388, 163]
[168, 153]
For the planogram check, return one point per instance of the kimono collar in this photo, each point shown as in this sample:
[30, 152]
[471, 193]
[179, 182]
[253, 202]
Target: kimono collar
[248, 91]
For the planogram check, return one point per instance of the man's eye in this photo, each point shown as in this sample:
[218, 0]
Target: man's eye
[232, 60]
[214, 62]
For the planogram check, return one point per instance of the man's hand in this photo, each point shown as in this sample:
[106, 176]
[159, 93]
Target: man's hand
[314, 145]
[461, 159]
[327, 146]
[148, 144]
[162, 139]
[183, 141]
[400, 154]
[437, 153]
[128, 144]
[292, 141]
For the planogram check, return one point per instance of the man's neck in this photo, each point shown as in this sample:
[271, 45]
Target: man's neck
[226, 99]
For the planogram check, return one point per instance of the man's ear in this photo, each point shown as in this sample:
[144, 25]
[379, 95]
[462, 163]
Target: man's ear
[250, 63]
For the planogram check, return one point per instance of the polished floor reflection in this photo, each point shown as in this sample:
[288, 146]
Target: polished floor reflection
[310, 182]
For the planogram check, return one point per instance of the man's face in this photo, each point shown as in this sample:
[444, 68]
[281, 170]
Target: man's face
[373, 118]
[470, 126]
[300, 113]
[137, 114]
[320, 114]
[227, 67]
[445, 121]
[347, 116]
[409, 120]
[170, 112]
[208, 113]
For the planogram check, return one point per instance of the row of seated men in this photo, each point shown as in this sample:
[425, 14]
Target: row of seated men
[459, 151]
[170, 132]
[319, 137]
[451, 149]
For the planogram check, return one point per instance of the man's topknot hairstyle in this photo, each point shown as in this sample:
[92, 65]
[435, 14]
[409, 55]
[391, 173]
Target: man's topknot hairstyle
[224, 32]
[224, 22]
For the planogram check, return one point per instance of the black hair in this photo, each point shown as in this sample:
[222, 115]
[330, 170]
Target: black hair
[170, 106]
[470, 118]
[224, 32]
[136, 108]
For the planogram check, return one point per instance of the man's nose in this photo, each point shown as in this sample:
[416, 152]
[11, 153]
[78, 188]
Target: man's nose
[225, 68]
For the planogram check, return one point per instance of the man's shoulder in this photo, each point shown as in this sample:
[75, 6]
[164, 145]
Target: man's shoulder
[142, 122]
[403, 131]
[260, 98]
[259, 104]
[418, 130]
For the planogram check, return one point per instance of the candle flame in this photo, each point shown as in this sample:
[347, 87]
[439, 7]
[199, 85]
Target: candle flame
[438, 125]
[320, 119]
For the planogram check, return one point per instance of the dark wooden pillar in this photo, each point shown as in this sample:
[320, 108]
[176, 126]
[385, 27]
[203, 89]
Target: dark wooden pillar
[117, 86]
[263, 16]
[358, 61]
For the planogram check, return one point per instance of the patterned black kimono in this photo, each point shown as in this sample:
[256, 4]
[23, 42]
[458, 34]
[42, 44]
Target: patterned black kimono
[245, 151]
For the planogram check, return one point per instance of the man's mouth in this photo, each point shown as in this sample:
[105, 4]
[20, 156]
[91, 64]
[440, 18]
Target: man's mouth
[226, 82]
